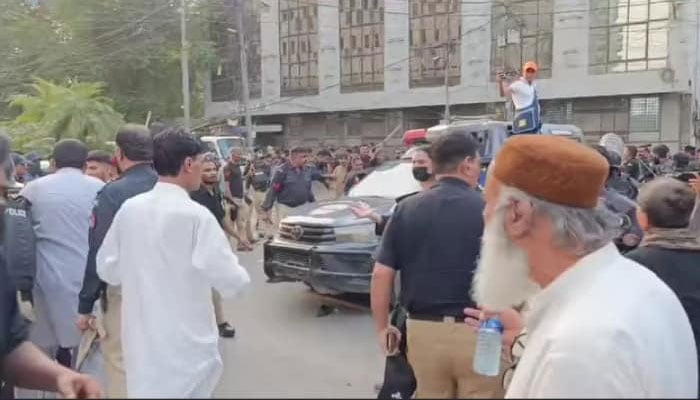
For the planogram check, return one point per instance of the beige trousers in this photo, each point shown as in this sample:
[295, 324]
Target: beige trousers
[281, 212]
[258, 214]
[111, 345]
[244, 224]
[442, 354]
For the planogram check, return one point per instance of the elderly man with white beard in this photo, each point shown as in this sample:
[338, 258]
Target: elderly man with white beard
[598, 324]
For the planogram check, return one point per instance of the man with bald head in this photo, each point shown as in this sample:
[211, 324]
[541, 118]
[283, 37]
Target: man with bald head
[598, 324]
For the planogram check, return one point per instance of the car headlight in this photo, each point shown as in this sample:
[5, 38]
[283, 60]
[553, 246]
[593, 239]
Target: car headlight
[356, 234]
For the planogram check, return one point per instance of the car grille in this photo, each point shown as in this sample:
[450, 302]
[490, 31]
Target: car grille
[307, 233]
[291, 257]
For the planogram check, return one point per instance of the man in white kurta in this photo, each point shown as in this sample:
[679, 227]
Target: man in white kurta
[167, 252]
[599, 325]
[606, 328]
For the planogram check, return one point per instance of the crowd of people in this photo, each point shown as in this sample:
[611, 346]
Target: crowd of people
[596, 285]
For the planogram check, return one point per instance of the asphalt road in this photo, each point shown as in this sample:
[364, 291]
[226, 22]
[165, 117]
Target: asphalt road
[282, 349]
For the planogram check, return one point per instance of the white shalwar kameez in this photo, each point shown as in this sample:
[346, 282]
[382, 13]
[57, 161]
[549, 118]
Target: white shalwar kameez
[167, 252]
[607, 328]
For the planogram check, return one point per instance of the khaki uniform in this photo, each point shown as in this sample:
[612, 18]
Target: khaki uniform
[111, 345]
[441, 355]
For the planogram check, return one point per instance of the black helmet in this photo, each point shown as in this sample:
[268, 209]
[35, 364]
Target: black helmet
[614, 159]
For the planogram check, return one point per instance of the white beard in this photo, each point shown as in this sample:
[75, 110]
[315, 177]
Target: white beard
[502, 279]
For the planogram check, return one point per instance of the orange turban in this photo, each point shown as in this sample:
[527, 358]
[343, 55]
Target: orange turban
[554, 169]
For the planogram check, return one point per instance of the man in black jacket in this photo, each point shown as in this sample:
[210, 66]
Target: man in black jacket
[134, 156]
[669, 248]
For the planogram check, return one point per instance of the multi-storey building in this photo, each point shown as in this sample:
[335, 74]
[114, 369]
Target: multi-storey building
[348, 71]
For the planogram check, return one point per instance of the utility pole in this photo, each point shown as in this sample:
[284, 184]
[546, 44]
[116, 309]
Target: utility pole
[446, 60]
[185, 64]
[244, 74]
[447, 82]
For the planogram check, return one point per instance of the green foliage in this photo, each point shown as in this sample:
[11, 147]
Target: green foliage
[133, 46]
[53, 112]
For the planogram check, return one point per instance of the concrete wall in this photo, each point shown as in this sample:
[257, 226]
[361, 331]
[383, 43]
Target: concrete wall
[569, 76]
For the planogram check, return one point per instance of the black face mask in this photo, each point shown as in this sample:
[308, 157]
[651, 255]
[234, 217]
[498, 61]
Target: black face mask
[421, 174]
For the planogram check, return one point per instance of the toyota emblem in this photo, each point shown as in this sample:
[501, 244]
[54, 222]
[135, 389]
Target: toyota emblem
[297, 232]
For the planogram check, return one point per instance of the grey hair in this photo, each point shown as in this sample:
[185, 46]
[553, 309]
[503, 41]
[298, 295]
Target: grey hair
[579, 230]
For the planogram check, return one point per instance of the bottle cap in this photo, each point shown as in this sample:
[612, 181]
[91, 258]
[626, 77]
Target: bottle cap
[493, 324]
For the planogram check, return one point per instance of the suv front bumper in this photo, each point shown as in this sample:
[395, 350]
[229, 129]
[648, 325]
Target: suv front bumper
[321, 267]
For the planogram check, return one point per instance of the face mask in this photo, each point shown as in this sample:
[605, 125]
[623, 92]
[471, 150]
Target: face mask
[421, 174]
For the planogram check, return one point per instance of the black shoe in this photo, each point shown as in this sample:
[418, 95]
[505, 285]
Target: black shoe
[226, 330]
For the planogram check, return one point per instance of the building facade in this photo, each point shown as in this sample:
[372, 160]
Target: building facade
[352, 71]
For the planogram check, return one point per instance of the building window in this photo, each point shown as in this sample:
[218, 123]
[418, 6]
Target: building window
[434, 41]
[645, 114]
[362, 68]
[226, 74]
[522, 31]
[299, 62]
[628, 35]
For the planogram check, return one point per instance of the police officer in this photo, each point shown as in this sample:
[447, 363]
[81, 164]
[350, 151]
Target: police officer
[258, 175]
[433, 239]
[623, 206]
[291, 184]
[17, 234]
[134, 156]
[619, 180]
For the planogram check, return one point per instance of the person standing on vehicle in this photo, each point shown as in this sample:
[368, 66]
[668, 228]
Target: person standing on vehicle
[433, 240]
[239, 204]
[523, 93]
[61, 205]
[134, 157]
[291, 185]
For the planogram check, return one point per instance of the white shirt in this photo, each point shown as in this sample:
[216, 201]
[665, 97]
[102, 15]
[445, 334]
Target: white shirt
[522, 93]
[167, 252]
[607, 328]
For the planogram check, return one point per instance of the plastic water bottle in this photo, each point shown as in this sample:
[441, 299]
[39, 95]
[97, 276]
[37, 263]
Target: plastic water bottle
[489, 342]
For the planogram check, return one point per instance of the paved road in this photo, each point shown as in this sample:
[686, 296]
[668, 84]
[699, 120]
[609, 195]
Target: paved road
[283, 350]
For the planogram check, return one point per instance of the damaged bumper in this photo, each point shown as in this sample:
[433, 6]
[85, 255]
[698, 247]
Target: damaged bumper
[346, 270]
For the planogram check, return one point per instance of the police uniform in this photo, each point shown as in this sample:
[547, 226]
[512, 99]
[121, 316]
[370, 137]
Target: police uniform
[136, 180]
[433, 239]
[259, 181]
[290, 188]
[19, 243]
[14, 329]
[626, 209]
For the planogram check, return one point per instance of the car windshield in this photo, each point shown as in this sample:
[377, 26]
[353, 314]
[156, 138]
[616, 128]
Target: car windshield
[390, 180]
[226, 144]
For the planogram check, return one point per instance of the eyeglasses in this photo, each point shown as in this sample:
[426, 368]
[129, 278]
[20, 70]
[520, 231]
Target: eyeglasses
[516, 352]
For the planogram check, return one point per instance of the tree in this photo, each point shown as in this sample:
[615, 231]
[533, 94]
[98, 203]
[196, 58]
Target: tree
[77, 110]
[131, 45]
